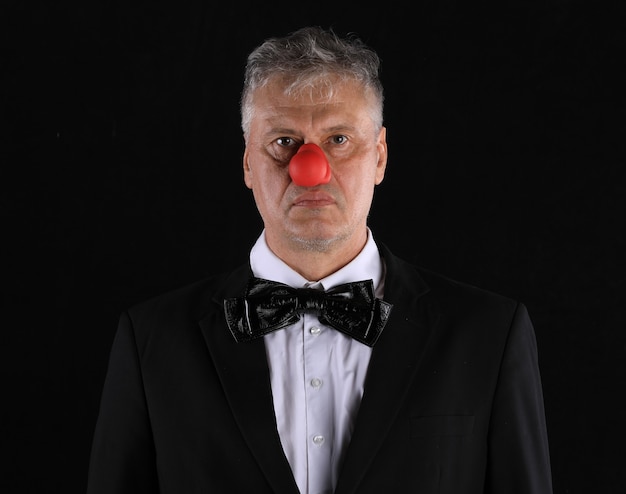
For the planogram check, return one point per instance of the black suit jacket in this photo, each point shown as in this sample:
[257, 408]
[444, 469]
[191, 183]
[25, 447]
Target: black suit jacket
[452, 401]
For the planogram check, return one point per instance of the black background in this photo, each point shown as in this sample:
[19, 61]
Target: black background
[121, 178]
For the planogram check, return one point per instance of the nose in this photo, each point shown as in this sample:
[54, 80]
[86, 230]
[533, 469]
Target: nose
[309, 166]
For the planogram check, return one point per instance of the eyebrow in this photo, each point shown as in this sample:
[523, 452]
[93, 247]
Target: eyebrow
[280, 130]
[290, 131]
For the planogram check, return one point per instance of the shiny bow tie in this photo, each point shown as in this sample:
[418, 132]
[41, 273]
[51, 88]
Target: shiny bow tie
[267, 306]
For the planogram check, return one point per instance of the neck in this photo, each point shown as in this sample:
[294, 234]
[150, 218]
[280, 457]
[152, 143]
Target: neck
[319, 260]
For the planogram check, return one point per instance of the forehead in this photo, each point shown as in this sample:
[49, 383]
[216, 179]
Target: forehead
[279, 100]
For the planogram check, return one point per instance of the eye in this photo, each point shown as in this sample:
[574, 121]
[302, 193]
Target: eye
[339, 139]
[286, 142]
[283, 148]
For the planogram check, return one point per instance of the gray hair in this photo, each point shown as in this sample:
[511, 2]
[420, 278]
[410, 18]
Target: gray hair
[309, 58]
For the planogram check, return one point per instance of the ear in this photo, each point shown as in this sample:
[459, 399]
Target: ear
[381, 147]
[247, 172]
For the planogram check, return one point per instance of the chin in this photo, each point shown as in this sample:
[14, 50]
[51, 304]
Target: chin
[315, 242]
[316, 236]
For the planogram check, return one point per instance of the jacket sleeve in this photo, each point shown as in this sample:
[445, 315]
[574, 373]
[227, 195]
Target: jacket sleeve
[519, 457]
[123, 454]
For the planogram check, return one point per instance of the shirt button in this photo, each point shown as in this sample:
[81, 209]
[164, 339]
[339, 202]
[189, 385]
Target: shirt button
[318, 440]
[315, 382]
[315, 330]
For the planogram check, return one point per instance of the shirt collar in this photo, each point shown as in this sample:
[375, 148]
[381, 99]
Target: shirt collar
[366, 265]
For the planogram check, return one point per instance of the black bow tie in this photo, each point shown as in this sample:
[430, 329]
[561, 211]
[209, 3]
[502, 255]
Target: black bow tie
[267, 306]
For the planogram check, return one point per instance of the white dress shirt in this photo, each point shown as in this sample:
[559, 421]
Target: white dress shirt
[317, 373]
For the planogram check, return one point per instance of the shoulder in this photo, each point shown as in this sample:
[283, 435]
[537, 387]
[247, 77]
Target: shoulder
[452, 296]
[449, 286]
[456, 296]
[189, 302]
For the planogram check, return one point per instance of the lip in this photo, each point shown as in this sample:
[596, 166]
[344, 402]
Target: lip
[313, 199]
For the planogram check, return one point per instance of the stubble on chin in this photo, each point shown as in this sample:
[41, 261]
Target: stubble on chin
[316, 244]
[320, 245]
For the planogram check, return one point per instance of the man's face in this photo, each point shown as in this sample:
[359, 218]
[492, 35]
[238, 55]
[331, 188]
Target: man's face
[313, 218]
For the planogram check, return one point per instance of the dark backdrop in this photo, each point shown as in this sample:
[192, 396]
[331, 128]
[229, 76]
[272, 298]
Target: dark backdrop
[121, 178]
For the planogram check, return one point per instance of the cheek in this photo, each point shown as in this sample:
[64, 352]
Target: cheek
[363, 189]
[269, 185]
[262, 172]
[357, 176]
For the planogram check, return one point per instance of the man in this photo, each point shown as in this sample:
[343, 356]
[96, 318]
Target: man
[238, 384]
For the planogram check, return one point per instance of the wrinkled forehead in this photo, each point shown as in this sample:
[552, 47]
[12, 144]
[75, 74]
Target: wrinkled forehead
[313, 87]
[282, 91]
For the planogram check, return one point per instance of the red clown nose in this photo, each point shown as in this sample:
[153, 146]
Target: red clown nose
[309, 166]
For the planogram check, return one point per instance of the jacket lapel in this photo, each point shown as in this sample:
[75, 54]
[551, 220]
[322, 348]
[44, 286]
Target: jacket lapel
[393, 364]
[244, 374]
